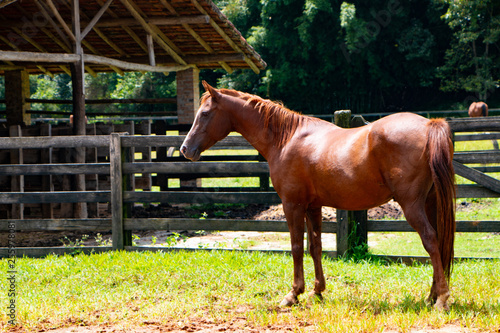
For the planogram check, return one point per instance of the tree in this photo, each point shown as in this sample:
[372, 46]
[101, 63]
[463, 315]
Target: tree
[472, 63]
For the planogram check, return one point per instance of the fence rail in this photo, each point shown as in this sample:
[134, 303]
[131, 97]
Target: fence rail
[121, 168]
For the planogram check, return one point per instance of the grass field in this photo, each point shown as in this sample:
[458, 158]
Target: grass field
[139, 288]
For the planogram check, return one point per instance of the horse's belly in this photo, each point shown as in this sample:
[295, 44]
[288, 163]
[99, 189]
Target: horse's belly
[350, 195]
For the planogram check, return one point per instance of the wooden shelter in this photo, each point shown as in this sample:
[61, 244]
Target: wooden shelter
[90, 36]
[77, 36]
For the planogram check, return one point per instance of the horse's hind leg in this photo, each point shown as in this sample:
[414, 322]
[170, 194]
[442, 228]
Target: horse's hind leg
[313, 218]
[295, 215]
[417, 218]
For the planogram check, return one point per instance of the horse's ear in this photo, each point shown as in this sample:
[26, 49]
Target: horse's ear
[212, 91]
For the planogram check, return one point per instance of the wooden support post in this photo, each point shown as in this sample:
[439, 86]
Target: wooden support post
[115, 160]
[17, 90]
[17, 182]
[188, 101]
[160, 128]
[79, 126]
[128, 184]
[47, 183]
[91, 181]
[351, 225]
[79, 122]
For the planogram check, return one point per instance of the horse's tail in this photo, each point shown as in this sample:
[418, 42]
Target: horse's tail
[440, 149]
[485, 110]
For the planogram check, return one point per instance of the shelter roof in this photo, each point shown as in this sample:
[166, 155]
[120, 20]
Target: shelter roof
[128, 35]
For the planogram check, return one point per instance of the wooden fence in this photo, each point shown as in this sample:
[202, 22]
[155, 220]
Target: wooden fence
[122, 168]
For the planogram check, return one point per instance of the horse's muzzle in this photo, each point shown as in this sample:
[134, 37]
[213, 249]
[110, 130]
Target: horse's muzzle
[190, 154]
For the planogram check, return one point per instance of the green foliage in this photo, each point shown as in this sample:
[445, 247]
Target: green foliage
[472, 63]
[322, 56]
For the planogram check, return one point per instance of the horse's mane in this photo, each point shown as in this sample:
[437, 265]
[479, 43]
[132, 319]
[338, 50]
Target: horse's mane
[282, 121]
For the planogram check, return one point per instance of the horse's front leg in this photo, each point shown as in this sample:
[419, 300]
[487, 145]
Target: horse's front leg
[313, 219]
[295, 214]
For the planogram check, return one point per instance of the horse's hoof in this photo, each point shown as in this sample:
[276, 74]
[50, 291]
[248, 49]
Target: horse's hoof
[289, 300]
[315, 297]
[441, 304]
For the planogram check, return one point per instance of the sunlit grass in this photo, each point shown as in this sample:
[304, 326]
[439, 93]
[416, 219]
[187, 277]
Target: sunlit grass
[136, 288]
[470, 244]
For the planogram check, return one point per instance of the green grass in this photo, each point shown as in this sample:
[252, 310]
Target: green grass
[477, 245]
[137, 288]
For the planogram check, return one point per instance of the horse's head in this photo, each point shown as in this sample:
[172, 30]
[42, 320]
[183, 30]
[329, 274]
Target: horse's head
[210, 125]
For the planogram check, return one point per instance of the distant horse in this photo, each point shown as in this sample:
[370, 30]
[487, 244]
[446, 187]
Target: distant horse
[314, 163]
[478, 109]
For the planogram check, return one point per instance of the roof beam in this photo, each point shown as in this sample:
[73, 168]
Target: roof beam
[152, 31]
[115, 22]
[128, 30]
[130, 22]
[193, 59]
[95, 19]
[44, 12]
[72, 58]
[195, 35]
[221, 32]
[61, 20]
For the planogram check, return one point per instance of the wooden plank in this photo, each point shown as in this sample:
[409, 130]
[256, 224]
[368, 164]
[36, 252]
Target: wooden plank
[475, 191]
[115, 157]
[106, 101]
[100, 60]
[389, 226]
[477, 137]
[478, 226]
[203, 197]
[476, 176]
[484, 157]
[47, 181]
[55, 142]
[54, 197]
[58, 224]
[214, 225]
[209, 224]
[39, 252]
[55, 169]
[474, 125]
[183, 168]
[16, 182]
[176, 141]
[403, 226]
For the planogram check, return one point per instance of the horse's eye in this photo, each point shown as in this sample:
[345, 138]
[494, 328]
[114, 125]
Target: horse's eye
[204, 114]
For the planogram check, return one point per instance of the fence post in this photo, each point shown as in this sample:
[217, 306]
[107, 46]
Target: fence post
[115, 159]
[351, 225]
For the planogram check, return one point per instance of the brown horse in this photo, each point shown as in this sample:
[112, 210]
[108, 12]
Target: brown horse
[478, 109]
[314, 163]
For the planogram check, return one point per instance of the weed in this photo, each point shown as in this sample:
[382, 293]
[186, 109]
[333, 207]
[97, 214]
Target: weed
[135, 239]
[174, 239]
[101, 241]
[76, 243]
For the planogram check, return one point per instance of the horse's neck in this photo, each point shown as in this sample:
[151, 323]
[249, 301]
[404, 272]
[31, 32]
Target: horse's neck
[248, 122]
